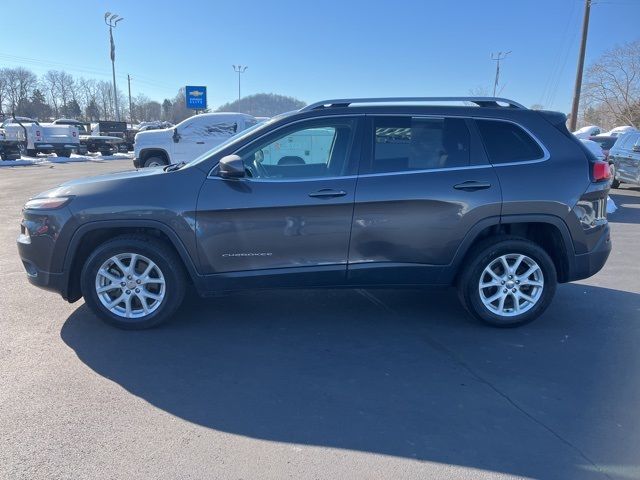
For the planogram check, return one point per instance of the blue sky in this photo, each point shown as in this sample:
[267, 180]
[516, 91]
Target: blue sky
[314, 50]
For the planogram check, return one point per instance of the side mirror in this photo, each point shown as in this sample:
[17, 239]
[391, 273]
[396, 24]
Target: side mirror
[231, 166]
[176, 135]
[636, 148]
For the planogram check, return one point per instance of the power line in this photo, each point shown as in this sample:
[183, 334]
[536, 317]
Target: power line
[78, 69]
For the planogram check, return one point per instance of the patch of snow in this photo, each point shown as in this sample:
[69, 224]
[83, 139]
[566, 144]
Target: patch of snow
[48, 159]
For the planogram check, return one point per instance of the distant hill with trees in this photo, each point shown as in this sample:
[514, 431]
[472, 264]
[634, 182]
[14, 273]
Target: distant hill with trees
[263, 105]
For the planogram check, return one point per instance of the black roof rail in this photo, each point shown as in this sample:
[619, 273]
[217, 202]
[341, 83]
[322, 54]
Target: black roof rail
[479, 101]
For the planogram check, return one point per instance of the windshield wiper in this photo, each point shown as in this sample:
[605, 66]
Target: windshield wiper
[174, 167]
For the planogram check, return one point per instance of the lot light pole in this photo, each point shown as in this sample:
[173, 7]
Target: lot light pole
[500, 56]
[239, 69]
[111, 19]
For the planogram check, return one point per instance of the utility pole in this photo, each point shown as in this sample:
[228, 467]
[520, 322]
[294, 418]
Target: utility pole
[239, 69]
[111, 19]
[500, 56]
[130, 104]
[573, 121]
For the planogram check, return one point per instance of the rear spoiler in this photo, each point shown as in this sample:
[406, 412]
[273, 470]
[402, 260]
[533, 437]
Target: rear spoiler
[557, 119]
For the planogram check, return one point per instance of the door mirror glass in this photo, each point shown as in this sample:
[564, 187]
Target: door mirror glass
[231, 166]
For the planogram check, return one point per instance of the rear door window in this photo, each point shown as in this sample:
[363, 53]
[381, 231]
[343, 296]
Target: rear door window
[419, 143]
[507, 142]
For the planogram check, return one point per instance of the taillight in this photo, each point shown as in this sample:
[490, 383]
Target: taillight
[73, 133]
[37, 133]
[601, 171]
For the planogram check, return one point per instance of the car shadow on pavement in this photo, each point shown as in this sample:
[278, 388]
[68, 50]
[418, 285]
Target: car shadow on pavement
[403, 373]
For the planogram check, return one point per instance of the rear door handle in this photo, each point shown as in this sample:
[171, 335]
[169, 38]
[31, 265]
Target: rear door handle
[472, 186]
[328, 193]
[200, 143]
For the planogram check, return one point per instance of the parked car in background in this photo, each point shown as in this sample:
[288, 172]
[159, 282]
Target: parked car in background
[410, 192]
[104, 144]
[594, 147]
[189, 139]
[11, 144]
[605, 142]
[44, 138]
[114, 129]
[617, 131]
[588, 131]
[625, 159]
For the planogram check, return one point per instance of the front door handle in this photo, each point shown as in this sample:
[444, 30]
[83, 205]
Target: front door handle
[472, 186]
[200, 143]
[328, 193]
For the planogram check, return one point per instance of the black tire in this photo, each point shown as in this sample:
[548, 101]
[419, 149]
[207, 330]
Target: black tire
[155, 161]
[158, 252]
[484, 254]
[32, 153]
[614, 183]
[63, 153]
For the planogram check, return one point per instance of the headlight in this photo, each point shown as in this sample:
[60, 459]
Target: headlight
[48, 203]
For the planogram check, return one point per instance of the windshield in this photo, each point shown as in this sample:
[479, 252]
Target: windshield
[230, 140]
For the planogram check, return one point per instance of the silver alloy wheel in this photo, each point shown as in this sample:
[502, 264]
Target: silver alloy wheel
[130, 285]
[155, 163]
[511, 285]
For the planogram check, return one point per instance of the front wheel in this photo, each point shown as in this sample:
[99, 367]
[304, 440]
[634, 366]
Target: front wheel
[133, 282]
[508, 282]
[612, 171]
[155, 162]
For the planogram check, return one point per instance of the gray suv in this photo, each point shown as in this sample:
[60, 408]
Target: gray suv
[624, 157]
[496, 199]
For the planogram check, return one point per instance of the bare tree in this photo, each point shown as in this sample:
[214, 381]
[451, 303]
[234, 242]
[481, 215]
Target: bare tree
[50, 85]
[3, 87]
[613, 83]
[20, 84]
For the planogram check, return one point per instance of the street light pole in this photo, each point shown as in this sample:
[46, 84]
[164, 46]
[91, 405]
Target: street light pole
[111, 19]
[500, 56]
[239, 69]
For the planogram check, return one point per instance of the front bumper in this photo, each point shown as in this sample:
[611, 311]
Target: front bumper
[137, 163]
[53, 282]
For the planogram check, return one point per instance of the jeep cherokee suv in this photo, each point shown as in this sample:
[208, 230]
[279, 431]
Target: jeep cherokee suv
[497, 199]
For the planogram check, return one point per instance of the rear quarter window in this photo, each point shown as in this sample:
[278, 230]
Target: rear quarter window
[506, 142]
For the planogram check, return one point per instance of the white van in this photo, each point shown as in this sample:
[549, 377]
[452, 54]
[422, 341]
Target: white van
[189, 139]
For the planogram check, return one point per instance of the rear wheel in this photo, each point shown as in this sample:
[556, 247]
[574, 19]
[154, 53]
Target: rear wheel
[155, 161]
[105, 153]
[508, 282]
[63, 153]
[133, 282]
[32, 153]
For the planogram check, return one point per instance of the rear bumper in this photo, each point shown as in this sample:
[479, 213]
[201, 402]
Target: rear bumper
[43, 146]
[588, 264]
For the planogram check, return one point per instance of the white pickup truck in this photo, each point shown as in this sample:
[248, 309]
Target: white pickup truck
[44, 138]
[189, 139]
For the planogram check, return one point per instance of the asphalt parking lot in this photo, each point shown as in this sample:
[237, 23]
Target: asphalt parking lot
[319, 384]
